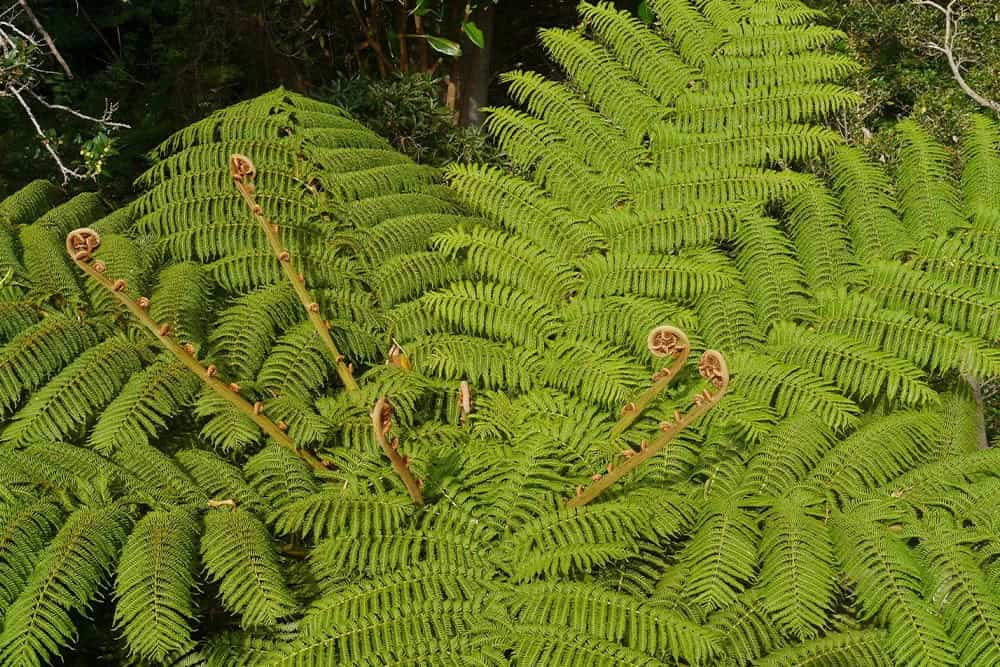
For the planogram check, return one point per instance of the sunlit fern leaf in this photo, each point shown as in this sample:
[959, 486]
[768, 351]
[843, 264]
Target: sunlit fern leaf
[790, 388]
[158, 473]
[27, 523]
[649, 59]
[48, 267]
[224, 425]
[394, 592]
[859, 369]
[38, 352]
[453, 544]
[305, 427]
[245, 331]
[496, 255]
[721, 556]
[39, 624]
[29, 203]
[774, 279]
[599, 144]
[958, 261]
[727, 318]
[965, 308]
[298, 363]
[746, 628]
[967, 599]
[335, 509]
[155, 584]
[74, 396]
[787, 454]
[887, 582]
[482, 362]
[929, 200]
[523, 208]
[623, 320]
[695, 36]
[869, 205]
[655, 189]
[878, 451]
[239, 554]
[980, 151]
[603, 614]
[932, 345]
[142, 407]
[815, 221]
[279, 476]
[682, 277]
[600, 373]
[496, 311]
[403, 234]
[418, 634]
[642, 231]
[218, 478]
[180, 299]
[605, 81]
[797, 575]
[738, 73]
[679, 151]
[858, 648]
[567, 541]
[407, 276]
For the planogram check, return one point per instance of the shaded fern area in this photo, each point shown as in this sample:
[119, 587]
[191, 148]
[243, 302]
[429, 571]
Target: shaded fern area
[195, 448]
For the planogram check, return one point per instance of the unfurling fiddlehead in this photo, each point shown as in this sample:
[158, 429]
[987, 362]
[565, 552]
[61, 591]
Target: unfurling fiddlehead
[244, 172]
[663, 341]
[382, 423]
[80, 244]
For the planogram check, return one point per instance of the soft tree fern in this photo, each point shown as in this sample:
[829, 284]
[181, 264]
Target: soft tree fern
[303, 402]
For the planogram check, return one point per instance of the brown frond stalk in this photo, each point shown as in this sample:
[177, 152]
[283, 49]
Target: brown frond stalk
[80, 243]
[381, 423]
[713, 368]
[244, 172]
[664, 341]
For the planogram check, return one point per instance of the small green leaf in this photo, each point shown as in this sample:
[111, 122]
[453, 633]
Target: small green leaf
[422, 8]
[474, 34]
[445, 46]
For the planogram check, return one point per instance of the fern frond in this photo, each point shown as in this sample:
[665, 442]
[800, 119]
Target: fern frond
[869, 205]
[683, 276]
[858, 648]
[142, 407]
[797, 576]
[980, 151]
[26, 525]
[40, 623]
[74, 396]
[857, 368]
[239, 554]
[29, 203]
[155, 584]
[928, 196]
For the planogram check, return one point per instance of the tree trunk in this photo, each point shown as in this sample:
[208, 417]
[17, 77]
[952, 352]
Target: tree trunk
[477, 65]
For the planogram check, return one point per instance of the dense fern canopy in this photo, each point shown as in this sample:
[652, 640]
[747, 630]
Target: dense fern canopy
[835, 508]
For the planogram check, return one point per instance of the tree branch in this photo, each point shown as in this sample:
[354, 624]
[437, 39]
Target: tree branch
[45, 35]
[951, 23]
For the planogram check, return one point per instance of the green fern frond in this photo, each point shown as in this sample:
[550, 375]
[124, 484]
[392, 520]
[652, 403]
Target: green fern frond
[26, 525]
[40, 623]
[859, 369]
[642, 231]
[932, 345]
[155, 584]
[928, 196]
[774, 279]
[74, 396]
[869, 205]
[181, 297]
[721, 556]
[594, 611]
[239, 554]
[29, 203]
[658, 190]
[790, 389]
[797, 575]
[815, 220]
[980, 151]
[858, 648]
[337, 510]
[958, 261]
